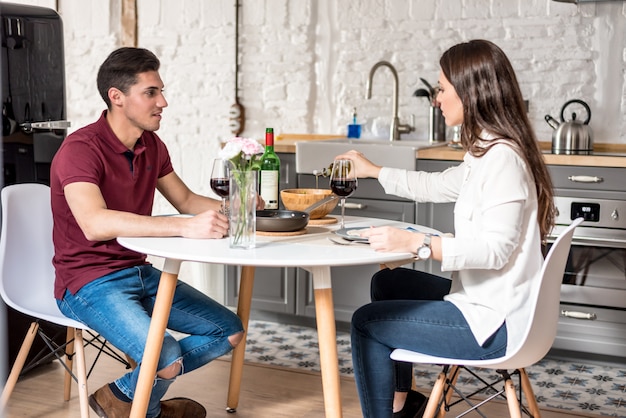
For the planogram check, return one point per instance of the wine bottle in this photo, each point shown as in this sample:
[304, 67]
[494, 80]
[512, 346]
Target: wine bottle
[270, 172]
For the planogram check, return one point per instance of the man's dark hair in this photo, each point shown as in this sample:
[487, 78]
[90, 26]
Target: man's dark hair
[121, 68]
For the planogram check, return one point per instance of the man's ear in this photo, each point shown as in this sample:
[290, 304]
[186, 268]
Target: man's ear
[116, 96]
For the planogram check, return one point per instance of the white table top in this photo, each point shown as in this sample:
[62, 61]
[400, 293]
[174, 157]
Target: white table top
[310, 249]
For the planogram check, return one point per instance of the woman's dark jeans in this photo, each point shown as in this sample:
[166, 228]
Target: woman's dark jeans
[408, 311]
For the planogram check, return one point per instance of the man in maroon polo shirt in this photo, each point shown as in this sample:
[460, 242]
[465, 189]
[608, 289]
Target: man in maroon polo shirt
[103, 181]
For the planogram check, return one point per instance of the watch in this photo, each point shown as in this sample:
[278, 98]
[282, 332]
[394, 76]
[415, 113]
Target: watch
[424, 251]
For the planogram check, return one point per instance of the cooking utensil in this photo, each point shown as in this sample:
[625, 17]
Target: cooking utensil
[319, 203]
[343, 241]
[281, 220]
[431, 89]
[422, 93]
[571, 136]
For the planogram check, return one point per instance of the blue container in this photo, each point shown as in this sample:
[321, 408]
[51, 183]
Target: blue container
[354, 131]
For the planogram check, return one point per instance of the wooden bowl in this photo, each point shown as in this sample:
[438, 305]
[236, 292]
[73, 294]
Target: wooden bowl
[300, 199]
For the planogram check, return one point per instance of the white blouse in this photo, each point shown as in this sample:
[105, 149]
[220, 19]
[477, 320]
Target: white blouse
[496, 248]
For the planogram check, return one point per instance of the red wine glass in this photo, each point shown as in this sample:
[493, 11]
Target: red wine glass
[220, 180]
[343, 182]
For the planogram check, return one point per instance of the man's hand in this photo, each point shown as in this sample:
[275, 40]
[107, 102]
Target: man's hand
[209, 224]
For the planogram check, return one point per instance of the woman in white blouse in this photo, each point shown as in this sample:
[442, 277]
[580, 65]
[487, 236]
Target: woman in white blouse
[503, 212]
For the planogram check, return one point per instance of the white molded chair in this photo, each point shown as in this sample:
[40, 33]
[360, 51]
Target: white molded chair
[27, 281]
[539, 337]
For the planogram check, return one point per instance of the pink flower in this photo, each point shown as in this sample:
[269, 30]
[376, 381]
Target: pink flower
[242, 153]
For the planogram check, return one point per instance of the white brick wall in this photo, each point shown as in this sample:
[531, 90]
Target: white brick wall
[304, 63]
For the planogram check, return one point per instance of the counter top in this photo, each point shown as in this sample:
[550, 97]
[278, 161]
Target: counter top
[597, 160]
[286, 143]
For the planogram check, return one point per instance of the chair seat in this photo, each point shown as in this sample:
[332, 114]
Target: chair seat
[408, 356]
[50, 313]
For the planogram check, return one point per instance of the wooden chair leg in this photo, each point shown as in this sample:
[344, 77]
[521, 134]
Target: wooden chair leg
[81, 371]
[511, 398]
[435, 396]
[69, 349]
[529, 394]
[18, 365]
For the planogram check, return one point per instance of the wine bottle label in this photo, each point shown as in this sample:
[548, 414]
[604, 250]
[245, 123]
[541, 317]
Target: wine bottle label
[269, 188]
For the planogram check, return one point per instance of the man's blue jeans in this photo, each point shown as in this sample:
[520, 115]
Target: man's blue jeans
[119, 305]
[408, 311]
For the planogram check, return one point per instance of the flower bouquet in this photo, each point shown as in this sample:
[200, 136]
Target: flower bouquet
[243, 154]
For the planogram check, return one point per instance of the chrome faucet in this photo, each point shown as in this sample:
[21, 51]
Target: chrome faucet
[396, 128]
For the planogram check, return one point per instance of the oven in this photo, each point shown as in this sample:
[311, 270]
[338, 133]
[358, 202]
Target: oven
[593, 291]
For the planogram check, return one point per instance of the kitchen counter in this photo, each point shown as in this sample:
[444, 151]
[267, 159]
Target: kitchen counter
[597, 160]
[286, 143]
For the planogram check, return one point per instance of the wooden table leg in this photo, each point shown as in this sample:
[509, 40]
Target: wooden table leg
[246, 286]
[327, 340]
[154, 342]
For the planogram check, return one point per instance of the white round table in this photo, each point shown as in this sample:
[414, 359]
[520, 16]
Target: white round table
[312, 251]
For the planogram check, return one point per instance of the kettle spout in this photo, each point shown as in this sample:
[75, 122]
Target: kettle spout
[552, 122]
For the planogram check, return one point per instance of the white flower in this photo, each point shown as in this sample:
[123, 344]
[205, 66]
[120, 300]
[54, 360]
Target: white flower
[230, 150]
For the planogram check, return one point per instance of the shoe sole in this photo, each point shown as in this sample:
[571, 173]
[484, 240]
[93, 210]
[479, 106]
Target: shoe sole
[96, 407]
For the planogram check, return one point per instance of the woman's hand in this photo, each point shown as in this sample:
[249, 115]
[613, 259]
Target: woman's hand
[389, 239]
[363, 166]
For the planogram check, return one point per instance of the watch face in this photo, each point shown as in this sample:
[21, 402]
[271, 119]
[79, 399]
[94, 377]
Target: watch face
[424, 253]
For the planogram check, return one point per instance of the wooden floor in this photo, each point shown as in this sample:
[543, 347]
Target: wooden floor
[267, 392]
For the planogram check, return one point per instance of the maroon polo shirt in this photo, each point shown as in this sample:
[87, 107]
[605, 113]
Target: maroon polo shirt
[127, 180]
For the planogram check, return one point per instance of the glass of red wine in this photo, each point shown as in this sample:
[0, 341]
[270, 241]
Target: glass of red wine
[343, 182]
[220, 182]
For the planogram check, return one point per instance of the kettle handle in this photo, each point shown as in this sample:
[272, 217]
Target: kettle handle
[551, 121]
[585, 105]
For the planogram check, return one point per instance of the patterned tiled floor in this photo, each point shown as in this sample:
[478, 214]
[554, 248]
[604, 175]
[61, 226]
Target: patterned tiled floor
[586, 388]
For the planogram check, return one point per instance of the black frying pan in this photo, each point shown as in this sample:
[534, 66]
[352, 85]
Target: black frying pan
[281, 220]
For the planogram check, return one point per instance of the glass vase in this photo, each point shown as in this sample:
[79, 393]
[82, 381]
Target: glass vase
[243, 198]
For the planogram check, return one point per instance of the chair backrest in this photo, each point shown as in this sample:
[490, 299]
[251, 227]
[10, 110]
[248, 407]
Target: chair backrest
[542, 327]
[26, 250]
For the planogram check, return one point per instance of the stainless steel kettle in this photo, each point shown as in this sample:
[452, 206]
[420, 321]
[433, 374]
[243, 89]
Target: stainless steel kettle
[572, 136]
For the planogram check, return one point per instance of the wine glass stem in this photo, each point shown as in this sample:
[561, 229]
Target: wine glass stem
[224, 206]
[343, 210]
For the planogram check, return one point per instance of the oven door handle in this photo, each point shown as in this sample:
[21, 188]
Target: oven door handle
[607, 241]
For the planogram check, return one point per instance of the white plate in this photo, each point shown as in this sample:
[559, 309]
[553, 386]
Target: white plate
[352, 234]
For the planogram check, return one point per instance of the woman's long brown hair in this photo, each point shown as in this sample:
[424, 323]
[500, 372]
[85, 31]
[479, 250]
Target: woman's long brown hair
[485, 81]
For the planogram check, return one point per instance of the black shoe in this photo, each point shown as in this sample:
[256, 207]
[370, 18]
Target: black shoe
[414, 406]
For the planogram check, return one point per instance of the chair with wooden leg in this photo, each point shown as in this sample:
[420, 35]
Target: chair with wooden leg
[539, 337]
[27, 282]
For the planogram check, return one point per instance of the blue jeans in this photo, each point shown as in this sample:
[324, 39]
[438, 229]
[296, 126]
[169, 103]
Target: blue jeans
[119, 305]
[408, 311]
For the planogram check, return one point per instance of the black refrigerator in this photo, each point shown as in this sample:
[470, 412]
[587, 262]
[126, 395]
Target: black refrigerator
[33, 122]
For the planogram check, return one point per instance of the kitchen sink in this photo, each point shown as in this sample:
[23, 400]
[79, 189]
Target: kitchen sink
[316, 155]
